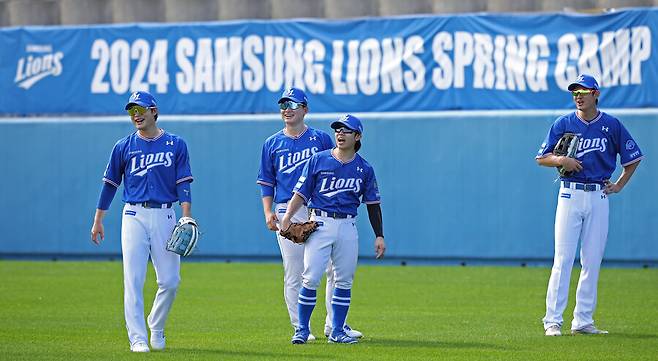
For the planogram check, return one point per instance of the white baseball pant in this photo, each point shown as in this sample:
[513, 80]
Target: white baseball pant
[336, 240]
[144, 232]
[293, 267]
[580, 215]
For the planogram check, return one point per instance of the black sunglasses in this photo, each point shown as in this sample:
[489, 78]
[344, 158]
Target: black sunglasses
[343, 131]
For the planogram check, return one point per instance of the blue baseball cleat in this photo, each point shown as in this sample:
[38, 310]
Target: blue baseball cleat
[341, 338]
[300, 337]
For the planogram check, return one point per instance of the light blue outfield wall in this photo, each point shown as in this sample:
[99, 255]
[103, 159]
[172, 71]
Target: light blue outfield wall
[454, 185]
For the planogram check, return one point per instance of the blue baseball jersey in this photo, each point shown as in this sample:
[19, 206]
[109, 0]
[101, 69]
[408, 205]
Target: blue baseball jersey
[283, 158]
[329, 184]
[150, 168]
[601, 140]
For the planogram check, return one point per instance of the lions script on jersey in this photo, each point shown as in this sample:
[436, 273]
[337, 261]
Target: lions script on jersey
[284, 156]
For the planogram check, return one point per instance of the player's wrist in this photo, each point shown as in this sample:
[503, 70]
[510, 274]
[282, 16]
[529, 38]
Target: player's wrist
[560, 160]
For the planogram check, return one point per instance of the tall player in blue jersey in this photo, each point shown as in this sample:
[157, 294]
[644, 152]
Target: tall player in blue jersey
[155, 168]
[582, 209]
[333, 184]
[283, 157]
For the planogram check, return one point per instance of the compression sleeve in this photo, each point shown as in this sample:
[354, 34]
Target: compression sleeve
[106, 196]
[375, 216]
[184, 191]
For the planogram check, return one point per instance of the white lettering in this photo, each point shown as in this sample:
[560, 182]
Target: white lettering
[185, 77]
[442, 75]
[414, 78]
[537, 70]
[274, 62]
[463, 56]
[253, 77]
[369, 66]
[640, 51]
[392, 50]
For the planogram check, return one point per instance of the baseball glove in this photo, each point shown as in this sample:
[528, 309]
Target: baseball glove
[299, 232]
[184, 237]
[566, 146]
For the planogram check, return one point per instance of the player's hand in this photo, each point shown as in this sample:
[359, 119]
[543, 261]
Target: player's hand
[380, 247]
[271, 220]
[571, 164]
[97, 232]
[285, 222]
[611, 188]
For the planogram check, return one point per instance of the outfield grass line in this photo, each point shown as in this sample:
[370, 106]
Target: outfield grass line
[73, 311]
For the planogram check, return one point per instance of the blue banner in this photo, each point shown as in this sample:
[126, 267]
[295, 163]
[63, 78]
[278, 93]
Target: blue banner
[416, 63]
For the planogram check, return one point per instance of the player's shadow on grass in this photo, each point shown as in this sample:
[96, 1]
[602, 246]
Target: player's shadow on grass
[257, 355]
[633, 336]
[434, 344]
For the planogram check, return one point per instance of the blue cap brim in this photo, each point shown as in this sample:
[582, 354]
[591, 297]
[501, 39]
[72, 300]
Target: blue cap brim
[293, 99]
[142, 104]
[338, 124]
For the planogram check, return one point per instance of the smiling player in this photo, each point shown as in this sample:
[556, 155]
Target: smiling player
[283, 157]
[582, 209]
[155, 169]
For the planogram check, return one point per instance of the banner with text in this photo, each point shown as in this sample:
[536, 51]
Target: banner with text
[414, 63]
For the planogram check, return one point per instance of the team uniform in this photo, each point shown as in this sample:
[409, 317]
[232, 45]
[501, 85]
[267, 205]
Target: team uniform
[282, 160]
[156, 173]
[333, 191]
[582, 211]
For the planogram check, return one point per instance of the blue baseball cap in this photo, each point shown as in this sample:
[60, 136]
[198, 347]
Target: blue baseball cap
[142, 98]
[350, 122]
[586, 81]
[295, 94]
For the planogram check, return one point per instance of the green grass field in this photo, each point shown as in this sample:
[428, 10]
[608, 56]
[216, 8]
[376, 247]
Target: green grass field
[73, 311]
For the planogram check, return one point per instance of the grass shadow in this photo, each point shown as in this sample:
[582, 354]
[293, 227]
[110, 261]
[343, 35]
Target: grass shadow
[632, 336]
[216, 352]
[435, 344]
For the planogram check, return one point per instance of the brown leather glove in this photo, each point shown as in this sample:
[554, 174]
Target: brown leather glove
[299, 232]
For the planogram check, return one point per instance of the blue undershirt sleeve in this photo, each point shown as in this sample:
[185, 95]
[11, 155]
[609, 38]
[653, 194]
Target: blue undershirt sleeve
[184, 192]
[107, 194]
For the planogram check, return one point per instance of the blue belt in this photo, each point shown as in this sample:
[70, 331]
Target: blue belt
[150, 204]
[587, 187]
[335, 215]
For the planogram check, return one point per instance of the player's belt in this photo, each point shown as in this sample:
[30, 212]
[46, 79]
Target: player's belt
[587, 187]
[151, 204]
[336, 215]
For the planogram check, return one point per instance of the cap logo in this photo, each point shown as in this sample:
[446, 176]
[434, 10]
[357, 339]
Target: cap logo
[135, 95]
[290, 92]
[580, 78]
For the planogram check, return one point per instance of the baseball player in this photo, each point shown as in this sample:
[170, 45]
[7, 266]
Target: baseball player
[283, 157]
[156, 172]
[582, 209]
[333, 184]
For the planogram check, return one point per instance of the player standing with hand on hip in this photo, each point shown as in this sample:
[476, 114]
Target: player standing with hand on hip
[283, 157]
[333, 184]
[582, 209]
[156, 171]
